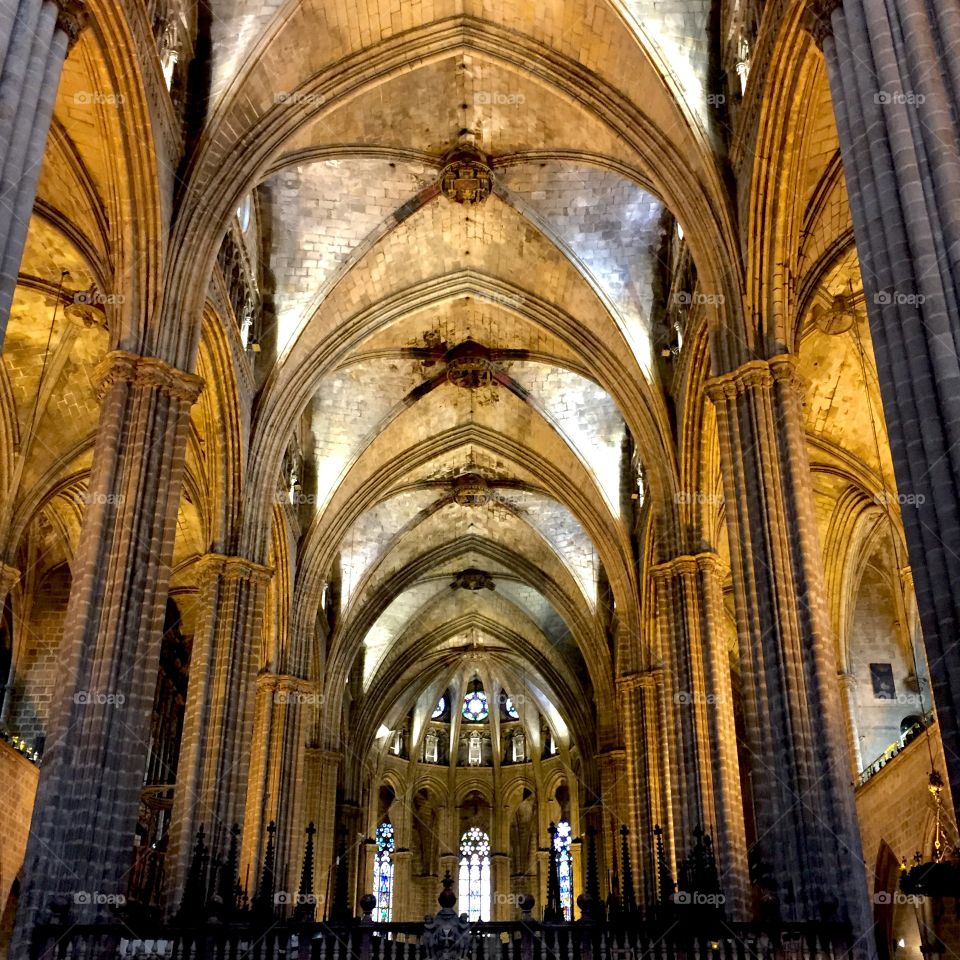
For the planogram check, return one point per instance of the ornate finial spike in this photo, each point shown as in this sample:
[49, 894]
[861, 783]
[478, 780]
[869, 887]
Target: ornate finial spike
[263, 902]
[629, 897]
[554, 910]
[306, 899]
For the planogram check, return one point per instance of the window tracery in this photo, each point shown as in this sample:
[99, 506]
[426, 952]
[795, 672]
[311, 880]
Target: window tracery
[474, 899]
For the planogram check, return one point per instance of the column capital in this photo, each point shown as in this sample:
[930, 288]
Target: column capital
[847, 680]
[687, 563]
[289, 685]
[72, 17]
[9, 578]
[642, 679]
[755, 374]
[146, 372]
[212, 565]
[818, 17]
[329, 758]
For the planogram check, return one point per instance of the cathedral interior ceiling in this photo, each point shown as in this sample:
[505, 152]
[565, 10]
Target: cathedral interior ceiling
[374, 279]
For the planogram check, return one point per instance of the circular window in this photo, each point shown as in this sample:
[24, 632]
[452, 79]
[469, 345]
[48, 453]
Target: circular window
[475, 706]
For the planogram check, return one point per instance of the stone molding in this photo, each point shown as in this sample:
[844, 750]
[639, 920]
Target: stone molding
[9, 578]
[151, 372]
[642, 679]
[687, 563]
[818, 19]
[755, 374]
[213, 565]
[287, 683]
[72, 17]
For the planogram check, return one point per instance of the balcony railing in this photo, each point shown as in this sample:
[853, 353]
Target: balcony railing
[673, 939]
[895, 748]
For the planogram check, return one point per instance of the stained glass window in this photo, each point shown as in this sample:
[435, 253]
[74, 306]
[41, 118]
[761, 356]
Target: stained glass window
[474, 750]
[475, 706]
[510, 709]
[383, 871]
[519, 748]
[561, 846]
[430, 750]
[439, 708]
[474, 897]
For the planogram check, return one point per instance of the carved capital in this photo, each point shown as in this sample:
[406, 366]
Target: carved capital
[755, 375]
[818, 19]
[146, 372]
[641, 680]
[216, 565]
[72, 17]
[727, 386]
[9, 578]
[689, 565]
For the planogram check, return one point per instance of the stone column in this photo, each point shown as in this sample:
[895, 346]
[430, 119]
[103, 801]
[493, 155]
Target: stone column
[321, 775]
[402, 897]
[215, 748]
[704, 770]
[848, 694]
[502, 905]
[614, 803]
[647, 778]
[895, 85]
[285, 707]
[9, 578]
[35, 36]
[89, 792]
[808, 847]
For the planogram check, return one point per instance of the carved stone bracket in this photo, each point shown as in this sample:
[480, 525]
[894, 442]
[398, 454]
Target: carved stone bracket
[147, 372]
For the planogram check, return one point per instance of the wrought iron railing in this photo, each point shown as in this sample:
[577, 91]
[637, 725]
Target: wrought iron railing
[513, 940]
[895, 748]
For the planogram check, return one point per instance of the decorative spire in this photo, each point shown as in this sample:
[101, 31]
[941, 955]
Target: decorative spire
[306, 902]
[554, 910]
[629, 897]
[263, 901]
[194, 890]
[340, 911]
[665, 880]
[593, 871]
[229, 879]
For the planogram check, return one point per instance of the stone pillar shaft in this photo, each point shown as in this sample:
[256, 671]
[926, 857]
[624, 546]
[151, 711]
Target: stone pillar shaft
[647, 776]
[34, 38]
[286, 706]
[897, 120]
[704, 770]
[218, 718]
[321, 775]
[88, 798]
[808, 848]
